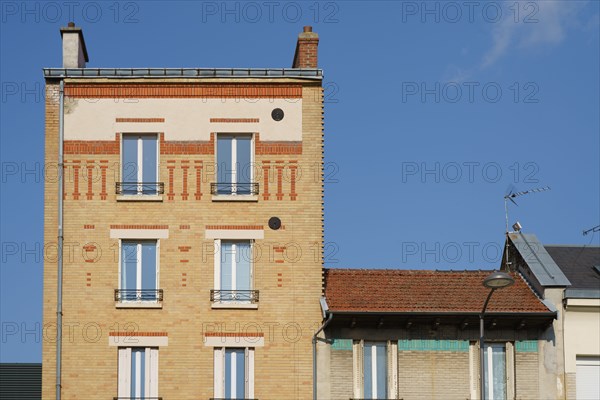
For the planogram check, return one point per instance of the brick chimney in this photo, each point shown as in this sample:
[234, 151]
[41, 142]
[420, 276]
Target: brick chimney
[306, 49]
[73, 47]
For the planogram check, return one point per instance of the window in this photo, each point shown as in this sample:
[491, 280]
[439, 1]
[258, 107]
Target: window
[234, 373]
[138, 373]
[375, 370]
[139, 272]
[234, 166]
[233, 272]
[494, 371]
[139, 171]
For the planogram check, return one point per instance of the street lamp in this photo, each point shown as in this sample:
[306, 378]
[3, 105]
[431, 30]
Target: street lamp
[496, 280]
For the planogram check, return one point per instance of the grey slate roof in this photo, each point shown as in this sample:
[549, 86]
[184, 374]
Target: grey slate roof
[540, 262]
[577, 263]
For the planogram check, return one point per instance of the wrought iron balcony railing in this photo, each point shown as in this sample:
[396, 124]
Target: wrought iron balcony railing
[122, 295]
[223, 188]
[234, 296]
[140, 188]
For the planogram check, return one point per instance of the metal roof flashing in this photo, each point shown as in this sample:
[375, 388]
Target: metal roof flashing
[542, 265]
[303, 73]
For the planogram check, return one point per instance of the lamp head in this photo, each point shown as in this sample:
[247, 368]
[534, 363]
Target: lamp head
[498, 280]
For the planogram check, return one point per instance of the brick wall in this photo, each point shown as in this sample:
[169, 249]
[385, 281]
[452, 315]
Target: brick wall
[426, 375]
[527, 375]
[341, 375]
[288, 272]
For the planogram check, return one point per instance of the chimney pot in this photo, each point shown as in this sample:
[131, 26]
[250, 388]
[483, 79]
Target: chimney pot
[71, 24]
[308, 28]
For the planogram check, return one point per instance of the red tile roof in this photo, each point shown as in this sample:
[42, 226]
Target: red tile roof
[372, 290]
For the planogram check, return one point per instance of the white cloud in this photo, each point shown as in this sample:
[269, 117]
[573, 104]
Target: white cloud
[538, 23]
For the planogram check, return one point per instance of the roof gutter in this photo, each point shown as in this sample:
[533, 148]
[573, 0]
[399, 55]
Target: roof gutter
[448, 314]
[315, 338]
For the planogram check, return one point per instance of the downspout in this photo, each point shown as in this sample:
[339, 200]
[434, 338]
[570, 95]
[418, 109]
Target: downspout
[59, 287]
[314, 344]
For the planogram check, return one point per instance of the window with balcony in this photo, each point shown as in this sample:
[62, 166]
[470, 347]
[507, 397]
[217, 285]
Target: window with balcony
[138, 283]
[233, 275]
[138, 373]
[234, 175]
[139, 166]
[234, 373]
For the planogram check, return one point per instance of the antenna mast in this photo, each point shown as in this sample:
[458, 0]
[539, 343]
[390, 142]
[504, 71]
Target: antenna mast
[511, 196]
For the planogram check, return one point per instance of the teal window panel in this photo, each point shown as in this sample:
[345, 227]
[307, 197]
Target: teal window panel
[526, 346]
[433, 345]
[341, 344]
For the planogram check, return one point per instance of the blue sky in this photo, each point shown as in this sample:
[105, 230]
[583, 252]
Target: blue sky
[433, 110]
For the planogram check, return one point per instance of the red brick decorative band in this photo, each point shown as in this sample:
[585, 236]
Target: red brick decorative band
[91, 146]
[183, 90]
[139, 227]
[138, 334]
[263, 148]
[234, 334]
[236, 227]
[140, 120]
[235, 120]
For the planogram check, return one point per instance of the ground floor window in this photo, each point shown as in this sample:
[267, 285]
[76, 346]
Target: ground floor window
[138, 372]
[494, 369]
[234, 372]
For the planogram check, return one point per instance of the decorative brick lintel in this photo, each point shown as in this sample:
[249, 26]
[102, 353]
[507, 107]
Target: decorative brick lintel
[234, 334]
[138, 334]
[235, 227]
[139, 227]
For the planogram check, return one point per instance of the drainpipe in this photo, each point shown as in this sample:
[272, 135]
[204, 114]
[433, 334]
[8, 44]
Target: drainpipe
[59, 287]
[314, 344]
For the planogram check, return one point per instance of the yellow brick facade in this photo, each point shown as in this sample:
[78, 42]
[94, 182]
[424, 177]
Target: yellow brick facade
[287, 270]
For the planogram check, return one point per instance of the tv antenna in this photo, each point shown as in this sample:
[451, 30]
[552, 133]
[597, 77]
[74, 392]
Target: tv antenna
[510, 196]
[594, 229]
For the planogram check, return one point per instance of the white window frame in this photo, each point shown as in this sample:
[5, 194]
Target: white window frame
[358, 347]
[219, 371]
[136, 303]
[140, 160]
[474, 367]
[234, 170]
[124, 372]
[217, 275]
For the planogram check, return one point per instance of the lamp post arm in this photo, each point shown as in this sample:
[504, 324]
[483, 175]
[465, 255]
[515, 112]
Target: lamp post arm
[481, 346]
[486, 302]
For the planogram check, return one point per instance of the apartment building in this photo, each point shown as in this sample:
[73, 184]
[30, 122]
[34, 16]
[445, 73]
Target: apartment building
[190, 217]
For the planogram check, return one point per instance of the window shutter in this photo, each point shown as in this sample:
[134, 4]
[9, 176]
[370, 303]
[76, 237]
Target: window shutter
[357, 355]
[219, 376]
[510, 371]
[474, 368]
[217, 267]
[392, 367]
[152, 364]
[250, 373]
[124, 373]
